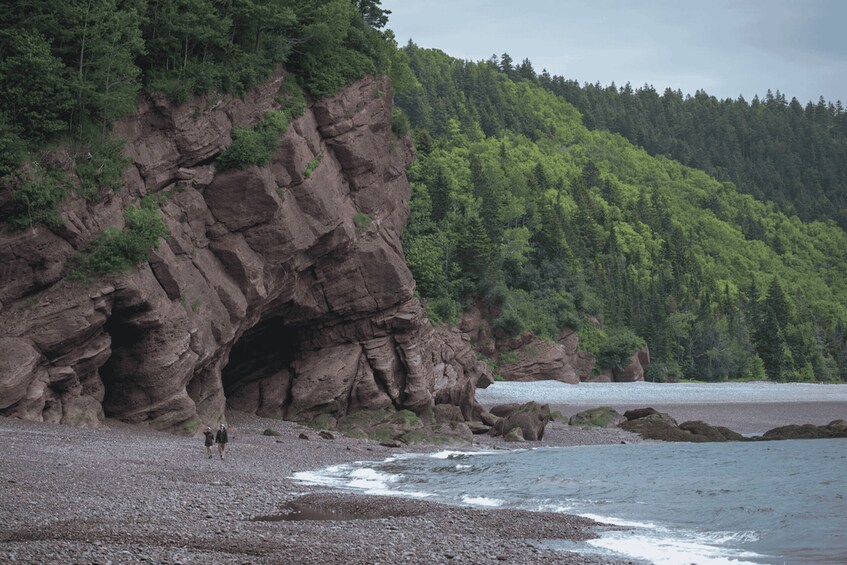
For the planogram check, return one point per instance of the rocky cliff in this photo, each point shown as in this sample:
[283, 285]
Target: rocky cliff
[528, 358]
[278, 291]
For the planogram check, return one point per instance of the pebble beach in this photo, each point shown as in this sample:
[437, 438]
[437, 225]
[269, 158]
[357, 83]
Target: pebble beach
[129, 494]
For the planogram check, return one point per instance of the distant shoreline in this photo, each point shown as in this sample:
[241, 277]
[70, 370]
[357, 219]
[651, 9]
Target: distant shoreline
[743, 407]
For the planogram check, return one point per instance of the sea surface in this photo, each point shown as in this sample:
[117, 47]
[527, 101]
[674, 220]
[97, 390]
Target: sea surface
[758, 502]
[781, 502]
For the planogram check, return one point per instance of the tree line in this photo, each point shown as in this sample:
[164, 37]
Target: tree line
[773, 148]
[547, 223]
[69, 68]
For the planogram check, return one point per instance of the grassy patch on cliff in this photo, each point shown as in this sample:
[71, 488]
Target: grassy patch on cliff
[256, 145]
[38, 198]
[116, 250]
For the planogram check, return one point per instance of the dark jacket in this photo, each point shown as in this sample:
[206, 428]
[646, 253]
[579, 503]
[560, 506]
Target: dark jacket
[220, 437]
[210, 437]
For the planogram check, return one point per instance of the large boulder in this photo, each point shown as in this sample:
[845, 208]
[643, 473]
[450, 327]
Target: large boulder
[637, 413]
[651, 424]
[707, 432]
[657, 426]
[531, 418]
[601, 417]
[835, 429]
[502, 410]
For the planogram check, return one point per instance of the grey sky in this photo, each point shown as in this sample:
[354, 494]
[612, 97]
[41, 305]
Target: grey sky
[725, 47]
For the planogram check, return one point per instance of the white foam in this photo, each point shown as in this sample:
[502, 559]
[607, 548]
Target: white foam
[662, 550]
[482, 501]
[619, 521]
[737, 537]
[318, 478]
[363, 479]
[447, 454]
[456, 454]
[557, 507]
[371, 481]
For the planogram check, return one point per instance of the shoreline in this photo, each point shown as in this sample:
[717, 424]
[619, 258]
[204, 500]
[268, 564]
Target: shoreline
[742, 417]
[129, 494]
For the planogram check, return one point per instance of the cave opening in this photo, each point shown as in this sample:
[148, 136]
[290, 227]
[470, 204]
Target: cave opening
[126, 332]
[258, 376]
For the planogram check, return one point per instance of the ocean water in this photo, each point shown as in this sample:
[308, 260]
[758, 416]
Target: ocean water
[760, 502]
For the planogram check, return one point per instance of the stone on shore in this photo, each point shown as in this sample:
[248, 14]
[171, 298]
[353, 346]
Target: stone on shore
[531, 418]
[601, 417]
[835, 429]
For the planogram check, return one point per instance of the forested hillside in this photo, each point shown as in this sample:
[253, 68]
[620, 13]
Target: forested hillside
[774, 149]
[517, 203]
[68, 69]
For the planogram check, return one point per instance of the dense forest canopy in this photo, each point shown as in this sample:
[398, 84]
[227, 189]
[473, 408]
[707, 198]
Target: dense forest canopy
[518, 204]
[773, 148]
[69, 68]
[710, 230]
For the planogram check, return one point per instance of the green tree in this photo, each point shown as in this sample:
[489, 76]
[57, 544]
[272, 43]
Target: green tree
[770, 345]
[35, 95]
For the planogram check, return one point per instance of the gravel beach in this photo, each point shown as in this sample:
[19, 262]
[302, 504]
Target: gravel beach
[128, 494]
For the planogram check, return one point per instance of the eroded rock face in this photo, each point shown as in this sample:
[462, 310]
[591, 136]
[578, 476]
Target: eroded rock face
[267, 294]
[538, 360]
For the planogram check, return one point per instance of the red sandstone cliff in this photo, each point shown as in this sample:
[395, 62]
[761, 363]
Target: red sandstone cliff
[266, 295]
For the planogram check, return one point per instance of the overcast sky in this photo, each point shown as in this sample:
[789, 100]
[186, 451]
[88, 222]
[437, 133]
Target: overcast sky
[725, 47]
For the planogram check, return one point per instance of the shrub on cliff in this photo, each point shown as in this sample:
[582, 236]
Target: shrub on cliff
[100, 167]
[618, 348]
[38, 198]
[116, 250]
[254, 146]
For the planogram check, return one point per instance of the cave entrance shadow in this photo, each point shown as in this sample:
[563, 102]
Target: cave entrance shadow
[258, 376]
[127, 330]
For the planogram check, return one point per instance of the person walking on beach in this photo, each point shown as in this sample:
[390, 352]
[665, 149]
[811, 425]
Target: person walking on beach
[210, 440]
[221, 439]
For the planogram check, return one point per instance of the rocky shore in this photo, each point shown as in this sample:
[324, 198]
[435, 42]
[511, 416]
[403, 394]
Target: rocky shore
[128, 494]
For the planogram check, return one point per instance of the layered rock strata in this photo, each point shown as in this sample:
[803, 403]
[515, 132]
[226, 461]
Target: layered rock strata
[534, 359]
[279, 291]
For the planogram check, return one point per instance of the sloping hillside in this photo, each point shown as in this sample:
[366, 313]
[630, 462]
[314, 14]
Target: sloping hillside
[517, 204]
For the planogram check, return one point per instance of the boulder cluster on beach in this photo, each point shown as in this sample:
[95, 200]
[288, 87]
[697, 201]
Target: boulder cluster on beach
[652, 424]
